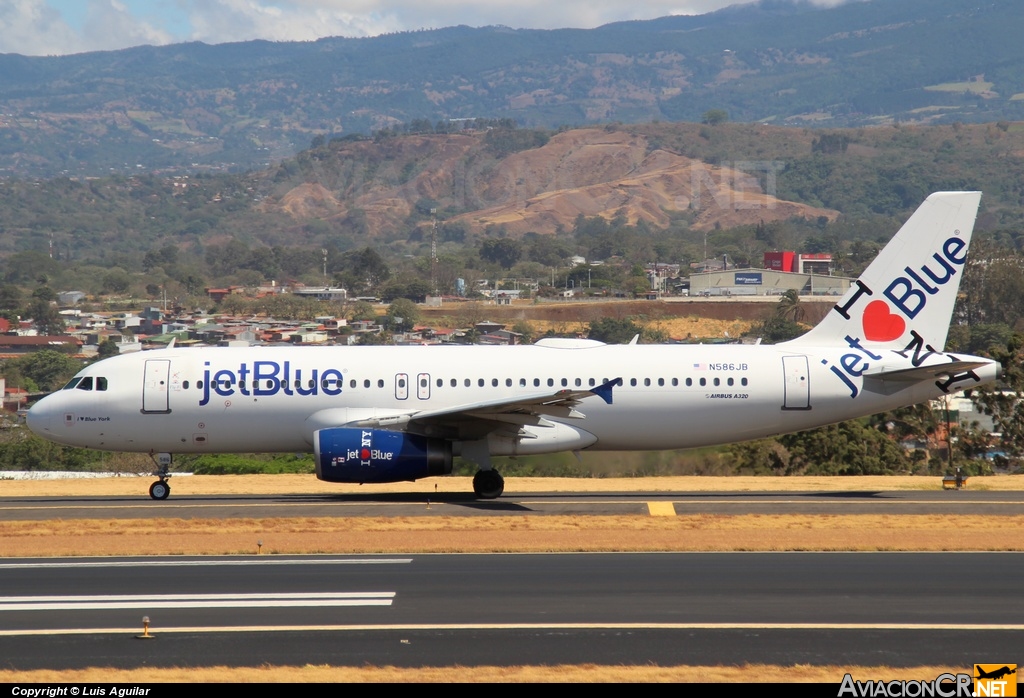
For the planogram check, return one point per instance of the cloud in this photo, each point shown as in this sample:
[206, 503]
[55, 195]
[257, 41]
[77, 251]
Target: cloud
[218, 21]
[32, 27]
[39, 27]
[106, 19]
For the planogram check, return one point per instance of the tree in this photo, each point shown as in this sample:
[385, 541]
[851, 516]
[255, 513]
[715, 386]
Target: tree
[46, 317]
[1002, 401]
[106, 349]
[47, 368]
[777, 329]
[613, 331]
[402, 312]
[367, 267]
[361, 310]
[714, 117]
[789, 306]
[502, 251]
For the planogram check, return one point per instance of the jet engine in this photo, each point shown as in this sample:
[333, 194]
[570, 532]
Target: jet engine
[345, 454]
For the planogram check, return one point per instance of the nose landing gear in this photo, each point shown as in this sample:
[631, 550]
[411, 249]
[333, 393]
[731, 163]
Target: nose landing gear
[160, 490]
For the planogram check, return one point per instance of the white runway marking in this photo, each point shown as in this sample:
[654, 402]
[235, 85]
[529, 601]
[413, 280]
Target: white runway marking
[166, 601]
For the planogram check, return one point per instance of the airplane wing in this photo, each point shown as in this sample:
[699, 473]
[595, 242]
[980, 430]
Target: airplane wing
[483, 417]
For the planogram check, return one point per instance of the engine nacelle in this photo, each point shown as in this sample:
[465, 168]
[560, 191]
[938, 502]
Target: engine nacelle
[343, 454]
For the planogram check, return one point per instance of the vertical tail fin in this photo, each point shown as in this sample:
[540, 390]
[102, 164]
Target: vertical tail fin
[906, 295]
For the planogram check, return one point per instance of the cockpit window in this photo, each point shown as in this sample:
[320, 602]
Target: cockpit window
[72, 383]
[101, 384]
[85, 384]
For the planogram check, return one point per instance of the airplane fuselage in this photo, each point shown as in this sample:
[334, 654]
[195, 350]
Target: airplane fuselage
[274, 398]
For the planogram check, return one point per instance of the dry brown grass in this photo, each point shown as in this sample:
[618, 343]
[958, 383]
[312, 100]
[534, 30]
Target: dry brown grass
[455, 534]
[307, 484]
[678, 328]
[590, 673]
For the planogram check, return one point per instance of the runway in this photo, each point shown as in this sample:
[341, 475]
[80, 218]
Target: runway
[897, 609]
[951, 503]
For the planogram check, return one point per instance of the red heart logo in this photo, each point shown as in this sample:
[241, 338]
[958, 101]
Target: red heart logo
[880, 325]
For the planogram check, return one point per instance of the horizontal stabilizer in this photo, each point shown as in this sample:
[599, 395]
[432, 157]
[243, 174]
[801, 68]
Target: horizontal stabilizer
[921, 373]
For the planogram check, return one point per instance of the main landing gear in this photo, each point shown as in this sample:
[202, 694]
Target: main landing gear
[160, 490]
[488, 484]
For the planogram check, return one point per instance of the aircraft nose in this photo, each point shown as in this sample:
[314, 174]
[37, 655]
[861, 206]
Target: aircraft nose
[38, 418]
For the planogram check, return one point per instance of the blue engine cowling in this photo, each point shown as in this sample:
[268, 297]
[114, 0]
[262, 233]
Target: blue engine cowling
[376, 455]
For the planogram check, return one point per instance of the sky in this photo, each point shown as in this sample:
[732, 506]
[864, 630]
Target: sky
[58, 27]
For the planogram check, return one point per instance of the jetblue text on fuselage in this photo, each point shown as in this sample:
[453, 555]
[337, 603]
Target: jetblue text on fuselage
[266, 378]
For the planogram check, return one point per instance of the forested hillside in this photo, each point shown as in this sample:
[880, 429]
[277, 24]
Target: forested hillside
[194, 107]
[515, 203]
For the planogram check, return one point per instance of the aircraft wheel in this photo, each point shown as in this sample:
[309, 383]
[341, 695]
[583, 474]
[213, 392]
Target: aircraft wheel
[488, 484]
[159, 490]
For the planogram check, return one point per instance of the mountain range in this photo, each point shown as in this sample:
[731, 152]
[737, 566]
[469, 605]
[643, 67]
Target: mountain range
[231, 107]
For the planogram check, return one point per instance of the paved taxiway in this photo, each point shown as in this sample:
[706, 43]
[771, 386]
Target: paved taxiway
[448, 504]
[667, 608]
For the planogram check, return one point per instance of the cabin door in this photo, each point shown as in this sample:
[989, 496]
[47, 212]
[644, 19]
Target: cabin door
[154, 387]
[798, 386]
[423, 386]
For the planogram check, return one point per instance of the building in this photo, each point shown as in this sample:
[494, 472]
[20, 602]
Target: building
[325, 293]
[765, 282]
[819, 263]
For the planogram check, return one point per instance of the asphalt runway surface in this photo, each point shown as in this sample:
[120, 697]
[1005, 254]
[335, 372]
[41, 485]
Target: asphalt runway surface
[896, 609]
[511, 504]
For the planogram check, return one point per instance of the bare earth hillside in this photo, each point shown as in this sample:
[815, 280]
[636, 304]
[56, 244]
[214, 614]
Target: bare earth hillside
[589, 172]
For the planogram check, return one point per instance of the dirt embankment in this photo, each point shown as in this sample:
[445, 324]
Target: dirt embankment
[681, 319]
[589, 172]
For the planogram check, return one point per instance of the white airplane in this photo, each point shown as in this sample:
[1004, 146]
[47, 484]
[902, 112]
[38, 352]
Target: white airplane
[390, 414]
